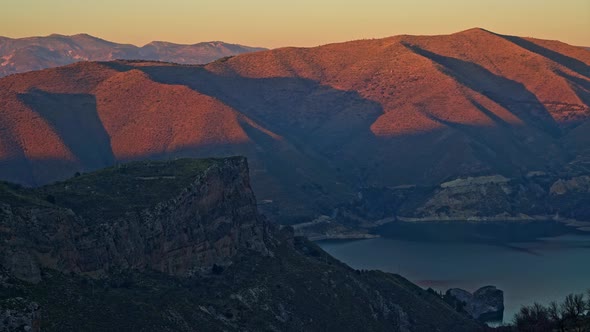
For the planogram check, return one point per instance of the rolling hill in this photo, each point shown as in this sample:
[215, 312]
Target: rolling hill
[316, 123]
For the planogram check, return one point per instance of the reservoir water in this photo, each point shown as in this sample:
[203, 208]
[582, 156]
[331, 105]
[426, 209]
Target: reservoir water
[541, 270]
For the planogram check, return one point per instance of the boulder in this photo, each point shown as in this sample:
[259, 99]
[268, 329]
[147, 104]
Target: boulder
[485, 304]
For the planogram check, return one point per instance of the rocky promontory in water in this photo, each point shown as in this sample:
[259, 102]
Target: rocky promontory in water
[485, 304]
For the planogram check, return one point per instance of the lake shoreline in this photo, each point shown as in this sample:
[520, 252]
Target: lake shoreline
[553, 227]
[522, 269]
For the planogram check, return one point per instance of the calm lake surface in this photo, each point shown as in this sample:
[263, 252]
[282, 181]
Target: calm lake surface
[541, 270]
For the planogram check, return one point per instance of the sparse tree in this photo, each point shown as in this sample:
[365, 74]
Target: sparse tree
[574, 306]
[556, 315]
[533, 318]
[571, 315]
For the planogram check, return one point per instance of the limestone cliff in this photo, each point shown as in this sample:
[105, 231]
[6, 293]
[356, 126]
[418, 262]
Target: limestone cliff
[205, 223]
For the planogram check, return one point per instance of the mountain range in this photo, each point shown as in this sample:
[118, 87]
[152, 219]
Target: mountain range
[34, 53]
[317, 124]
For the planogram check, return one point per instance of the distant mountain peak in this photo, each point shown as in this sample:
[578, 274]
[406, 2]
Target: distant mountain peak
[476, 32]
[475, 29]
[34, 53]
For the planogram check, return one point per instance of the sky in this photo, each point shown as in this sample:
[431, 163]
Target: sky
[277, 23]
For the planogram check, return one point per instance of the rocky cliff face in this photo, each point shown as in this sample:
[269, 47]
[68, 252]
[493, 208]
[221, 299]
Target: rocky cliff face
[207, 222]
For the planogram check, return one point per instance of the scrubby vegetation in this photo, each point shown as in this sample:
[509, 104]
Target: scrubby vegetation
[127, 187]
[570, 315]
[297, 290]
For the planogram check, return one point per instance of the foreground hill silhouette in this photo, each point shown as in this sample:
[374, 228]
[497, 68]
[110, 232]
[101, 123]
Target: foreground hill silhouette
[34, 53]
[180, 246]
[316, 123]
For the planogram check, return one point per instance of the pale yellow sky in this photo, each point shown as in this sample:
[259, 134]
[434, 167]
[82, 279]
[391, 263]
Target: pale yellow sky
[276, 23]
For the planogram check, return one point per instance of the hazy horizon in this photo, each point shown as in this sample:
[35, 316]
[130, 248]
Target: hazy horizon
[265, 23]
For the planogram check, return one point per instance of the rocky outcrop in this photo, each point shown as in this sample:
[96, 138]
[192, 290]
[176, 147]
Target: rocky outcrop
[462, 199]
[486, 303]
[580, 184]
[570, 198]
[208, 222]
